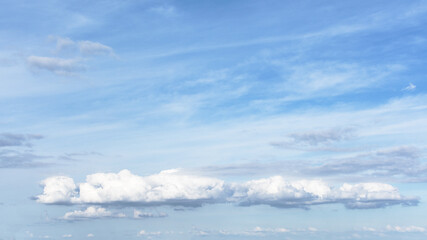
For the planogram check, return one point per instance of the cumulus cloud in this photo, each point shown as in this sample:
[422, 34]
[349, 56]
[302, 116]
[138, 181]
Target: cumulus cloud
[91, 213]
[173, 188]
[166, 188]
[58, 190]
[90, 235]
[277, 192]
[61, 66]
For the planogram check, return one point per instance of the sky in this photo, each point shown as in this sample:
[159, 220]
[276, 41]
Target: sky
[163, 119]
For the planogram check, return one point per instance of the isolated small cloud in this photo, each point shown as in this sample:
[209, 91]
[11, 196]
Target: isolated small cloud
[90, 235]
[62, 43]
[61, 66]
[94, 48]
[410, 87]
[165, 10]
[90, 213]
[67, 236]
[315, 140]
[369, 229]
[405, 229]
[145, 233]
[139, 214]
[270, 230]
[85, 47]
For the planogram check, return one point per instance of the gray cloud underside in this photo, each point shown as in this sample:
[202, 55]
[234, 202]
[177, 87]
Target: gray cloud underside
[16, 159]
[61, 66]
[15, 152]
[14, 140]
[175, 188]
[321, 137]
[398, 164]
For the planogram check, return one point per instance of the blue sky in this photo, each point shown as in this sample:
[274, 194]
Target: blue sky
[213, 120]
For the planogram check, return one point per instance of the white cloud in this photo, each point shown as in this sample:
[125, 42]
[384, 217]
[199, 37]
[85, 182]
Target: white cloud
[94, 48]
[57, 190]
[277, 192]
[90, 235]
[410, 87]
[145, 233]
[90, 212]
[85, 47]
[168, 187]
[270, 230]
[59, 66]
[62, 43]
[173, 188]
[405, 229]
[67, 236]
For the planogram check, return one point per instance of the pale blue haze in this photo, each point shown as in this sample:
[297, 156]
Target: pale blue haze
[231, 90]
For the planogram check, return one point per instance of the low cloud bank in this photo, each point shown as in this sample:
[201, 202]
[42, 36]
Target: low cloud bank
[173, 188]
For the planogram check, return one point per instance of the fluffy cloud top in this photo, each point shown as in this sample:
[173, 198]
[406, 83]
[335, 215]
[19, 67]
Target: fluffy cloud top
[173, 188]
[125, 187]
[90, 212]
[277, 192]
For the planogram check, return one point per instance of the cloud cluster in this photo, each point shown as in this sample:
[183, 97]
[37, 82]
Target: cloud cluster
[90, 213]
[405, 229]
[401, 229]
[277, 192]
[171, 187]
